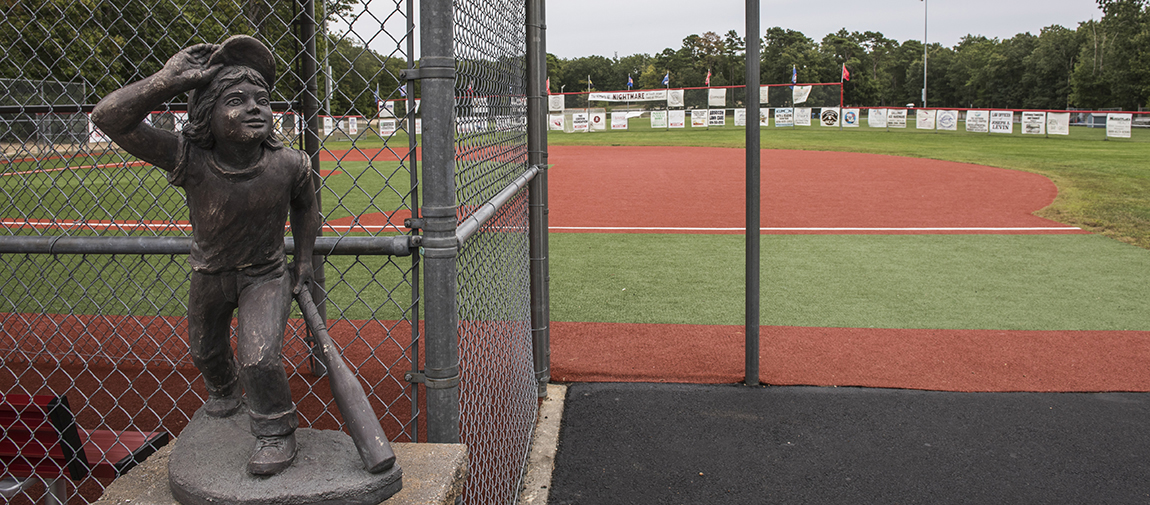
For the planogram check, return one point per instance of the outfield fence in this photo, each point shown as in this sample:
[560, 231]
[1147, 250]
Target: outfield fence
[431, 264]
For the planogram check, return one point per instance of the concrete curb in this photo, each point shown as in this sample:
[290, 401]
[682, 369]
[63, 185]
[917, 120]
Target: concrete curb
[541, 460]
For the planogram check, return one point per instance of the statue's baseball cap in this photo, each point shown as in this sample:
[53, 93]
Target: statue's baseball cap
[242, 50]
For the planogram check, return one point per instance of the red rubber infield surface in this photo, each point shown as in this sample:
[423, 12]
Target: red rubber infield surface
[593, 189]
[700, 187]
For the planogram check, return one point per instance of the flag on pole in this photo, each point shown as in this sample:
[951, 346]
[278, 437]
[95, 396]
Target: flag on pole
[846, 73]
[589, 84]
[548, 85]
[403, 90]
[630, 82]
[708, 81]
[667, 78]
[794, 75]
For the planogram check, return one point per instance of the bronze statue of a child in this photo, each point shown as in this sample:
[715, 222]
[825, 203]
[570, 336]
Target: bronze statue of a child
[240, 185]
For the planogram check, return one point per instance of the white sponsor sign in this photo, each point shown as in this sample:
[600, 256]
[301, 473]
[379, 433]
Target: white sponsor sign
[675, 98]
[800, 94]
[580, 121]
[352, 126]
[618, 120]
[698, 118]
[555, 103]
[717, 97]
[764, 119]
[802, 116]
[479, 105]
[740, 117]
[387, 127]
[717, 117]
[784, 117]
[1033, 123]
[418, 125]
[829, 116]
[896, 118]
[327, 125]
[1118, 125]
[978, 121]
[947, 120]
[764, 94]
[556, 121]
[677, 118]
[598, 120]
[1001, 121]
[630, 96]
[924, 119]
[94, 133]
[876, 118]
[850, 118]
[1058, 123]
[658, 119]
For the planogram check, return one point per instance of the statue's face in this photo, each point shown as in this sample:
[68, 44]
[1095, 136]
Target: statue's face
[243, 114]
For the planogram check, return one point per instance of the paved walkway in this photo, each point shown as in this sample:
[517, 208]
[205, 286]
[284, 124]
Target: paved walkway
[671, 444]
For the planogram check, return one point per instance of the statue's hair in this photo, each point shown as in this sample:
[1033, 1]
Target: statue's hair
[202, 101]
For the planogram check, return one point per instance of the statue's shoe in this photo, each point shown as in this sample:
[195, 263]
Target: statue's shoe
[272, 455]
[221, 407]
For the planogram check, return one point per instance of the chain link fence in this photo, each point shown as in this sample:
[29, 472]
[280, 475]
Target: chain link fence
[93, 298]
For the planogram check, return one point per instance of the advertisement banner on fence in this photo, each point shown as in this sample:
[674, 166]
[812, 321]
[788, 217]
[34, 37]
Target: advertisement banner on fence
[479, 105]
[327, 125]
[717, 117]
[764, 93]
[740, 117]
[698, 118]
[764, 117]
[1001, 121]
[618, 120]
[1058, 123]
[717, 97]
[598, 120]
[556, 121]
[1118, 125]
[947, 120]
[876, 118]
[896, 118]
[677, 118]
[675, 98]
[802, 116]
[629, 96]
[580, 121]
[829, 116]
[352, 126]
[978, 121]
[419, 126]
[784, 117]
[850, 118]
[924, 119]
[555, 103]
[800, 94]
[1033, 123]
[387, 127]
[658, 119]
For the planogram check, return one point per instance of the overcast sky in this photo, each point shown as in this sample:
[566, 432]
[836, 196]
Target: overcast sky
[605, 27]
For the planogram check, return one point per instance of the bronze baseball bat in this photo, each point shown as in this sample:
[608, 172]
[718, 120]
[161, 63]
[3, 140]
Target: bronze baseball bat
[362, 423]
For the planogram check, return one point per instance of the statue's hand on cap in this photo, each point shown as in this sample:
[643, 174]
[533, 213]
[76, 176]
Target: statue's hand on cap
[190, 69]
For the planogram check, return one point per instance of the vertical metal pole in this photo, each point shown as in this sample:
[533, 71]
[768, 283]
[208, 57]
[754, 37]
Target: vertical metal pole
[413, 164]
[537, 203]
[440, 247]
[925, 18]
[753, 189]
[311, 147]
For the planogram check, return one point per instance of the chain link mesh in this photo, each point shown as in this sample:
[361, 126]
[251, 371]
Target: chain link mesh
[109, 331]
[498, 387]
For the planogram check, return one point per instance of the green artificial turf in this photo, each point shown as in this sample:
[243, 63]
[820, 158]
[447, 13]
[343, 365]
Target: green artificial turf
[1007, 282]
[1103, 185]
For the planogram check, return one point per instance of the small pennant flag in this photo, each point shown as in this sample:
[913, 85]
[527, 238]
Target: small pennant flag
[548, 85]
[630, 82]
[846, 73]
[794, 74]
[667, 78]
[589, 83]
[708, 81]
[403, 90]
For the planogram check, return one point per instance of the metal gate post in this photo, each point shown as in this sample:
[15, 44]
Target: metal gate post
[753, 190]
[537, 191]
[311, 147]
[440, 246]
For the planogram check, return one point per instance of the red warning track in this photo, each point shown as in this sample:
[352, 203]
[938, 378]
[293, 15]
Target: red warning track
[701, 190]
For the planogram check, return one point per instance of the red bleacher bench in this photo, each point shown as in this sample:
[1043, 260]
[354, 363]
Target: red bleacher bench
[40, 439]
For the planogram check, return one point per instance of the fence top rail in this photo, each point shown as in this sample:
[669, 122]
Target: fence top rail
[396, 245]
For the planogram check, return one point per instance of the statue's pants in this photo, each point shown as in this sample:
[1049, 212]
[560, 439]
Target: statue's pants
[263, 299]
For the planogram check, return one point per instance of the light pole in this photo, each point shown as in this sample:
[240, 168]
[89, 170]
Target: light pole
[925, 4]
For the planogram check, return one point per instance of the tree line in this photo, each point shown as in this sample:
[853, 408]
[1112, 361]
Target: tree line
[1102, 63]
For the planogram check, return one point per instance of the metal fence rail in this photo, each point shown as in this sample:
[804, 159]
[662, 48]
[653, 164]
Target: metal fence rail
[93, 242]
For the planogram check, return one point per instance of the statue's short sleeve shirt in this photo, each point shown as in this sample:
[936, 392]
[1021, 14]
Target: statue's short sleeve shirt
[238, 217]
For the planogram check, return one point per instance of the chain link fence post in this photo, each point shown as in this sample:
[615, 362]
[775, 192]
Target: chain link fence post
[537, 156]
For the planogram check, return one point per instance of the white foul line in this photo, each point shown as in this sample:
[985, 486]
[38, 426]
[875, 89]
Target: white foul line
[652, 228]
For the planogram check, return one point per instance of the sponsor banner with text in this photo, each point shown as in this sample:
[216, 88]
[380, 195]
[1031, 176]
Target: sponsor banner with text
[876, 118]
[802, 116]
[1118, 125]
[1058, 123]
[924, 119]
[677, 118]
[658, 119]
[630, 96]
[947, 120]
[1001, 121]
[785, 117]
[850, 118]
[1034, 123]
[896, 118]
[699, 118]
[978, 121]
